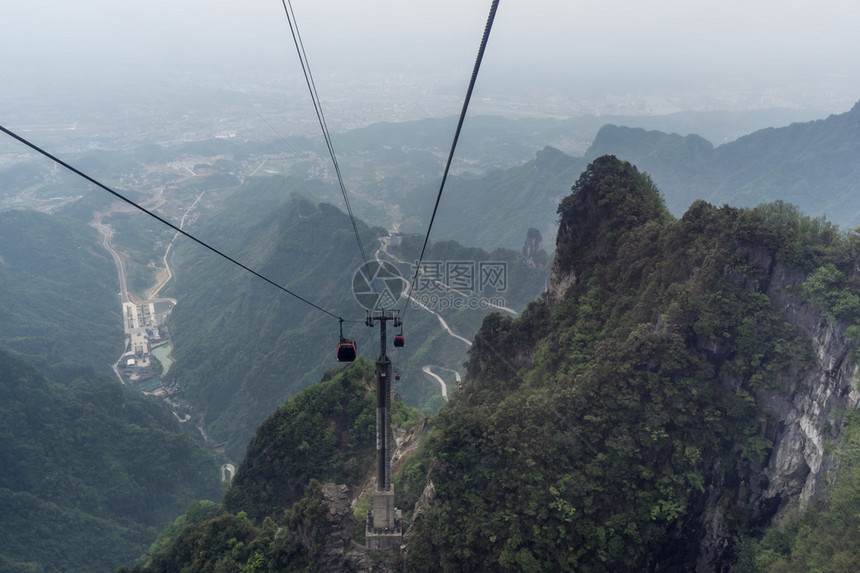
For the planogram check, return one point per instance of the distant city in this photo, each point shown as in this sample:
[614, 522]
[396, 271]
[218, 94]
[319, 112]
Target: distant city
[252, 107]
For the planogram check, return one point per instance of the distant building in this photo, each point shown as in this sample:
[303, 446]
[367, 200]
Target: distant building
[139, 343]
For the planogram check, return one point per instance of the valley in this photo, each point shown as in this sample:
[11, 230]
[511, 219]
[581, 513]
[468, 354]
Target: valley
[238, 351]
[632, 342]
[223, 189]
[142, 252]
[144, 320]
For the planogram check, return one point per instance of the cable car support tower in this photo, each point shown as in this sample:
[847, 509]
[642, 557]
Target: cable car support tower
[384, 528]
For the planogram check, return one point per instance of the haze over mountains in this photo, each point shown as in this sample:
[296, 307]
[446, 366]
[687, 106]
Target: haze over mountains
[684, 380]
[240, 349]
[812, 165]
[681, 383]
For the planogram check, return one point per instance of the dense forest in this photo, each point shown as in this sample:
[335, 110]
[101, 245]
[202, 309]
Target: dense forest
[599, 417]
[91, 471]
[702, 366]
[60, 307]
[276, 514]
[652, 411]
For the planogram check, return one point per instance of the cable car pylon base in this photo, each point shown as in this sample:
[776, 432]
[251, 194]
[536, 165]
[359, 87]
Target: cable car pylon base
[384, 528]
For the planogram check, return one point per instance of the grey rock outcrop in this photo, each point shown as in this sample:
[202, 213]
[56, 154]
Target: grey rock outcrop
[801, 418]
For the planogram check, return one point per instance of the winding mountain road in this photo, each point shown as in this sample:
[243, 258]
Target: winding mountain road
[427, 370]
[384, 242]
[107, 233]
[157, 288]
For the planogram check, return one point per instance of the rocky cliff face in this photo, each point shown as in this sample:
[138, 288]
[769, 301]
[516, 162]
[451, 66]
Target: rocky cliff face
[672, 392]
[801, 418]
[799, 415]
[806, 405]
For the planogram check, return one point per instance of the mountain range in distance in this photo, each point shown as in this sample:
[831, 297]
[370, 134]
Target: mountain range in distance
[812, 165]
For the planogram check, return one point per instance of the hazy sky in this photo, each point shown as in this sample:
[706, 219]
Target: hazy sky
[591, 47]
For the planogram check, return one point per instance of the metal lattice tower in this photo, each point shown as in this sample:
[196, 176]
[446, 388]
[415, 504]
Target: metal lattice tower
[383, 522]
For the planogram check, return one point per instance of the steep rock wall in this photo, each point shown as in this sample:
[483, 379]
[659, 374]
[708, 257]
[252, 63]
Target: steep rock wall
[801, 418]
[805, 406]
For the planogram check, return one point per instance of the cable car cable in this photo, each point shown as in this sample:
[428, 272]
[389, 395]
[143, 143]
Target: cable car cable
[466, 101]
[306, 69]
[164, 221]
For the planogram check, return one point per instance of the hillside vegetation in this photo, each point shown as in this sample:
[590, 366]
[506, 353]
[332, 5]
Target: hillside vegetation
[276, 515]
[326, 432]
[91, 471]
[598, 431]
[60, 306]
[242, 347]
[623, 422]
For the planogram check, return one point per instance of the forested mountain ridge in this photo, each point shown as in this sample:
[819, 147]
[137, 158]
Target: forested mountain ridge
[679, 386]
[242, 347]
[676, 389]
[325, 432]
[58, 284]
[276, 515]
[809, 164]
[527, 193]
[91, 471]
[812, 165]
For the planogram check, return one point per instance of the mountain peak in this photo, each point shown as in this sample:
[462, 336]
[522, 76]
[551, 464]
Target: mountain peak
[552, 158]
[610, 199]
[549, 153]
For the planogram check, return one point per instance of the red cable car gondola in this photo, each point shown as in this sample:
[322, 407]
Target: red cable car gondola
[397, 376]
[346, 350]
[399, 341]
